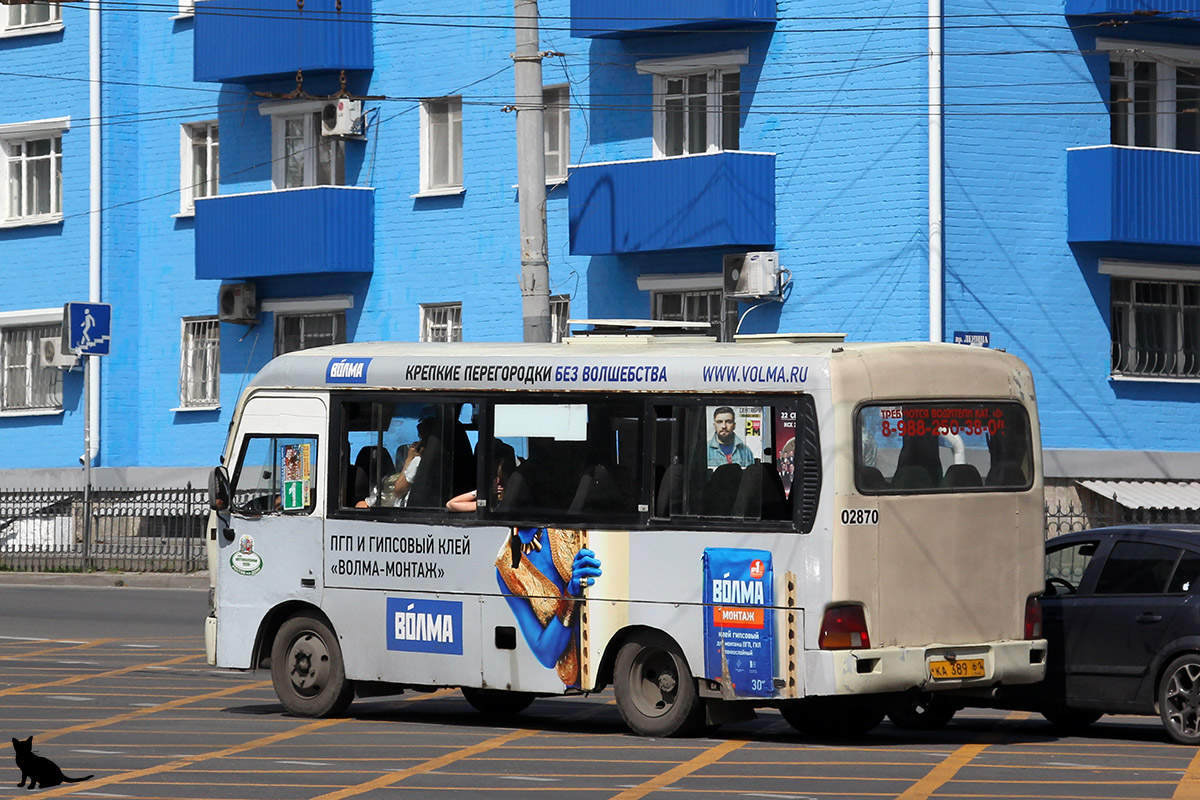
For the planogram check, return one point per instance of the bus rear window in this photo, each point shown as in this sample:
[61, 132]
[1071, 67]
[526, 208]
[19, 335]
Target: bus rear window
[943, 447]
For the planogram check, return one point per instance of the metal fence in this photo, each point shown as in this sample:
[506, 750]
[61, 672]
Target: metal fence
[137, 530]
[1068, 517]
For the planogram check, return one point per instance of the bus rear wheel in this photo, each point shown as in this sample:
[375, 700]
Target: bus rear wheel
[307, 669]
[497, 702]
[656, 693]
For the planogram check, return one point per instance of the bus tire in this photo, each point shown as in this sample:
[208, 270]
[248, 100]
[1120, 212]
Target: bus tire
[840, 717]
[497, 702]
[307, 668]
[656, 693]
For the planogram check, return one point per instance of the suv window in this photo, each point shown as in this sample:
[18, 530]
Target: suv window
[1186, 573]
[1137, 568]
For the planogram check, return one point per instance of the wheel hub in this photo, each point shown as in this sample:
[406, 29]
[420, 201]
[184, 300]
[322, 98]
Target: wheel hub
[309, 660]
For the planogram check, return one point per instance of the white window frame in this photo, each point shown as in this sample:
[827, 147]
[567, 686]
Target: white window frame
[54, 23]
[308, 113]
[560, 314]
[714, 66]
[199, 364]
[441, 322]
[187, 8]
[31, 320]
[189, 190]
[1165, 60]
[431, 185]
[17, 136]
[557, 100]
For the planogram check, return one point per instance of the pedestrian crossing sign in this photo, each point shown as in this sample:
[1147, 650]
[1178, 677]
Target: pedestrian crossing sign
[88, 328]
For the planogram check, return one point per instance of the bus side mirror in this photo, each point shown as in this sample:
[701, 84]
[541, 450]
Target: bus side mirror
[218, 490]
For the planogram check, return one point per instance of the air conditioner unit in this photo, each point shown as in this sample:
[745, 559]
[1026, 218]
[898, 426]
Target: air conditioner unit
[342, 118]
[751, 276]
[53, 355]
[238, 303]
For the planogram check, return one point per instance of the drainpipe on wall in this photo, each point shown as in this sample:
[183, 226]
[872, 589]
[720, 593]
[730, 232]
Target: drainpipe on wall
[936, 190]
[93, 370]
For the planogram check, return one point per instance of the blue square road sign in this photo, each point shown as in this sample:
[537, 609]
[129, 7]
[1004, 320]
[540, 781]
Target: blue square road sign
[89, 328]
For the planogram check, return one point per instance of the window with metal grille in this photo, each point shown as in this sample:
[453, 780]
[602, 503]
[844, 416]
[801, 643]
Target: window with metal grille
[704, 305]
[34, 172]
[200, 363]
[560, 312]
[27, 384]
[201, 164]
[31, 15]
[1155, 328]
[441, 322]
[303, 331]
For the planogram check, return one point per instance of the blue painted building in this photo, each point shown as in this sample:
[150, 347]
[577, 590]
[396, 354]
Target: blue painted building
[1061, 195]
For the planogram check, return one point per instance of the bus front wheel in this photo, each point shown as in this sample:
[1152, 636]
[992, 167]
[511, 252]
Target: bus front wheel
[656, 693]
[307, 668]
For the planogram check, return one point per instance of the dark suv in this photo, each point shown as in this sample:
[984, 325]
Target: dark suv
[1122, 621]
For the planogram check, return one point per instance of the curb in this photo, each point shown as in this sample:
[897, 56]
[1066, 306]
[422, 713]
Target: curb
[135, 580]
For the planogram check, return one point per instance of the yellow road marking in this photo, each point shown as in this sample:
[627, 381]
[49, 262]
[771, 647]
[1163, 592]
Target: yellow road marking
[121, 777]
[141, 712]
[944, 772]
[28, 687]
[49, 650]
[428, 766]
[710, 756]
[1189, 784]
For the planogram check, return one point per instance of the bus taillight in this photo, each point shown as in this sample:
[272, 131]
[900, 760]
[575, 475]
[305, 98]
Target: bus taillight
[1033, 618]
[844, 628]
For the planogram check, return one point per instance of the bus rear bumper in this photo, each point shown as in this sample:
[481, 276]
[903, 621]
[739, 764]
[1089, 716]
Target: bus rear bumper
[939, 667]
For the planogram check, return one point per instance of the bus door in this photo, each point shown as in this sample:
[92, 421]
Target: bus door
[270, 547]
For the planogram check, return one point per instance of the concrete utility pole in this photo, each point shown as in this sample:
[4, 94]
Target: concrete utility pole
[531, 174]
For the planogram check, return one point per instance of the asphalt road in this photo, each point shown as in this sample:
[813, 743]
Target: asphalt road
[112, 682]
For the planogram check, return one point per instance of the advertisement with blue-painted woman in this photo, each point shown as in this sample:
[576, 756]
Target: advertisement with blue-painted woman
[543, 573]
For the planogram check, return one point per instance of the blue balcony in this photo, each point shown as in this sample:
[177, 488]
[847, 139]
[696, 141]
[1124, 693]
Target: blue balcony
[1126, 198]
[1144, 11]
[239, 41]
[718, 200]
[616, 19]
[290, 232]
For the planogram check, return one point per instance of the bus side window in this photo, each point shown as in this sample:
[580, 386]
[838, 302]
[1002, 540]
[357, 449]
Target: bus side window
[276, 475]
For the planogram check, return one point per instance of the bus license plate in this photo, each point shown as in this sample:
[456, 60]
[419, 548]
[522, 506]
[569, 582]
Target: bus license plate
[962, 668]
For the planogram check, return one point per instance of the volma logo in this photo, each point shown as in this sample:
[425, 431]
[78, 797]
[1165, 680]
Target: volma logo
[347, 370]
[732, 591]
[424, 626]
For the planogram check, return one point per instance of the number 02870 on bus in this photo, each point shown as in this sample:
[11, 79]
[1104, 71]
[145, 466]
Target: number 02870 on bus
[707, 528]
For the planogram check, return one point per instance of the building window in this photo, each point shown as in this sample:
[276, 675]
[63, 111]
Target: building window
[697, 102]
[441, 322]
[201, 161]
[1155, 328]
[200, 363]
[700, 305]
[303, 331]
[1154, 101]
[302, 156]
[27, 384]
[441, 144]
[560, 313]
[32, 161]
[558, 131]
[22, 16]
